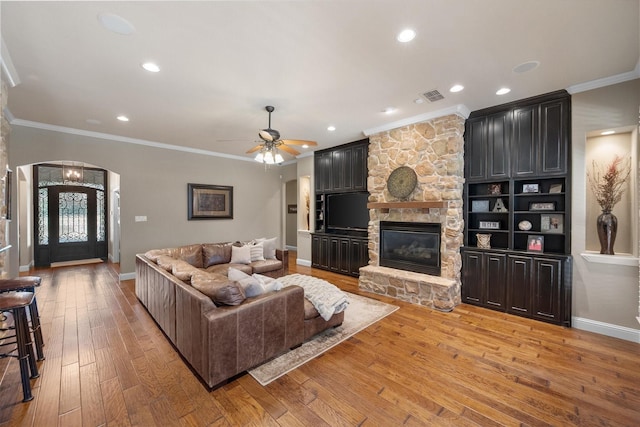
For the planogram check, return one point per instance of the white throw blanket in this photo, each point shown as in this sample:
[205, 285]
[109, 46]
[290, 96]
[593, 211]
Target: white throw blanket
[328, 299]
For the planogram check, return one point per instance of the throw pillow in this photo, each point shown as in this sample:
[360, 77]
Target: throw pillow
[268, 283]
[257, 252]
[240, 255]
[219, 289]
[269, 247]
[251, 286]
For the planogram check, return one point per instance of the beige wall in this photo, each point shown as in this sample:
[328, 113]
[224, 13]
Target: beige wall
[305, 168]
[601, 292]
[153, 182]
[292, 218]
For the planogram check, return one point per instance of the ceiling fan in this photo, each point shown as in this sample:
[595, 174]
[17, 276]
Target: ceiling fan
[272, 143]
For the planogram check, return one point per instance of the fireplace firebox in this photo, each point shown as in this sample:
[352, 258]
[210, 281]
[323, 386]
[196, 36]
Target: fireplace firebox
[411, 246]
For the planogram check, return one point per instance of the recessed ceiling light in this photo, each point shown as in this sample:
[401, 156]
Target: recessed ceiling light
[150, 66]
[526, 66]
[389, 110]
[331, 128]
[305, 145]
[123, 118]
[418, 101]
[608, 132]
[406, 35]
[456, 88]
[503, 91]
[115, 23]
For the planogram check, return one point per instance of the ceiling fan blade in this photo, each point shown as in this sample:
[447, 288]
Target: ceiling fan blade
[288, 150]
[299, 142]
[256, 148]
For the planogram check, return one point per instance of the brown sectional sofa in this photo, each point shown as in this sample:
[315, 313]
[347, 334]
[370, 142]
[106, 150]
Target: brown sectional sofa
[233, 334]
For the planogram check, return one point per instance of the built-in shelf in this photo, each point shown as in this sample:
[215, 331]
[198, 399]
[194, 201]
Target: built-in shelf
[597, 258]
[385, 206]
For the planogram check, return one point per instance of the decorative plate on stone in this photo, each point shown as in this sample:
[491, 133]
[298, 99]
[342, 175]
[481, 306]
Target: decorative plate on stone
[402, 182]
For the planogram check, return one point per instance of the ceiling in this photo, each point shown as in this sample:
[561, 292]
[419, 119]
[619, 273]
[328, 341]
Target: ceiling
[319, 63]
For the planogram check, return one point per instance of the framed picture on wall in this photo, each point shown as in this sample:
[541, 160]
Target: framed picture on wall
[210, 201]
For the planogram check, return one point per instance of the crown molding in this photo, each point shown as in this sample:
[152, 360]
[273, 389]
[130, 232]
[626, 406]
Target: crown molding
[127, 140]
[8, 70]
[459, 109]
[606, 81]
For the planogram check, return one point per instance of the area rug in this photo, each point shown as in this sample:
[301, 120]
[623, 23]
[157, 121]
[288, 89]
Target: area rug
[361, 313]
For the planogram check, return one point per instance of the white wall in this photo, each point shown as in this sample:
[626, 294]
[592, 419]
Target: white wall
[602, 293]
[153, 182]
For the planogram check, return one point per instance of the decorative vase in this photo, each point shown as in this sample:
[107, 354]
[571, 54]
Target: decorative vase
[607, 224]
[484, 241]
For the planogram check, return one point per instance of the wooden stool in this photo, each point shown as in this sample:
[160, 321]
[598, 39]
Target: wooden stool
[16, 302]
[28, 284]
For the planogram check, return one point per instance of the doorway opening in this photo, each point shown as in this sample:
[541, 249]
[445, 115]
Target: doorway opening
[71, 213]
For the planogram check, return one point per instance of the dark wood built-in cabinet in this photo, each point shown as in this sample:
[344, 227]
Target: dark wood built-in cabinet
[339, 170]
[517, 171]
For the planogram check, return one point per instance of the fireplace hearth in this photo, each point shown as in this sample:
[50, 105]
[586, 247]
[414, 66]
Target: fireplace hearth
[410, 246]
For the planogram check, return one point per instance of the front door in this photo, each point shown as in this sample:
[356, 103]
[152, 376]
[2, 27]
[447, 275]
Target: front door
[72, 219]
[71, 216]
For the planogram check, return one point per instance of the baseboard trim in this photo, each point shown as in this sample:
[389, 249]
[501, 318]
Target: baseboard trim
[616, 331]
[304, 262]
[127, 276]
[25, 268]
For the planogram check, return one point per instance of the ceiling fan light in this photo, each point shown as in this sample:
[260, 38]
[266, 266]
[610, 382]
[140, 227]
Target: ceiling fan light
[259, 157]
[279, 158]
[268, 158]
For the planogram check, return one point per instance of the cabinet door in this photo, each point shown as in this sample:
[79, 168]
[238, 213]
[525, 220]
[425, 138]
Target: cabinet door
[475, 151]
[523, 141]
[359, 256]
[498, 156]
[547, 289]
[359, 167]
[495, 280]
[323, 261]
[519, 285]
[554, 137]
[334, 253]
[341, 170]
[472, 277]
[322, 173]
[315, 251]
[344, 255]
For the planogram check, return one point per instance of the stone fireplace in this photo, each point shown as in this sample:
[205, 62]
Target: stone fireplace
[435, 151]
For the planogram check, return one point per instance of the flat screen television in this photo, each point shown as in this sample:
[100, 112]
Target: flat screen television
[347, 211]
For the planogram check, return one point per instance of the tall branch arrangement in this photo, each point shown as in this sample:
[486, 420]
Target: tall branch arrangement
[607, 183]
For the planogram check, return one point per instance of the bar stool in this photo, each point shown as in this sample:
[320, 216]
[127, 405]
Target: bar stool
[27, 284]
[16, 302]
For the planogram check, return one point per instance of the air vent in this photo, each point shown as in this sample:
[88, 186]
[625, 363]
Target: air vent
[433, 95]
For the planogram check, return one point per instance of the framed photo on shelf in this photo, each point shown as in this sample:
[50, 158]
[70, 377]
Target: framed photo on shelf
[490, 225]
[542, 206]
[479, 206]
[552, 223]
[209, 201]
[555, 188]
[535, 244]
[530, 188]
[495, 189]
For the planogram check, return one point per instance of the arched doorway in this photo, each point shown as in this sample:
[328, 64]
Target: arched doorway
[71, 213]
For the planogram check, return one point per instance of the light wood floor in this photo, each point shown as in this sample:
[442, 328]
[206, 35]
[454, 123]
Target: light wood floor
[108, 364]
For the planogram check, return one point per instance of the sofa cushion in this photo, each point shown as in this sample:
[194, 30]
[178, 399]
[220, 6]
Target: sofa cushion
[251, 286]
[221, 290]
[257, 252]
[153, 254]
[165, 262]
[266, 265]
[310, 312]
[269, 246]
[183, 270]
[241, 254]
[216, 253]
[268, 283]
[192, 254]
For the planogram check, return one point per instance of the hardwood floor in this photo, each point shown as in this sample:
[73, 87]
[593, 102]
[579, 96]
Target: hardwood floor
[107, 363]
